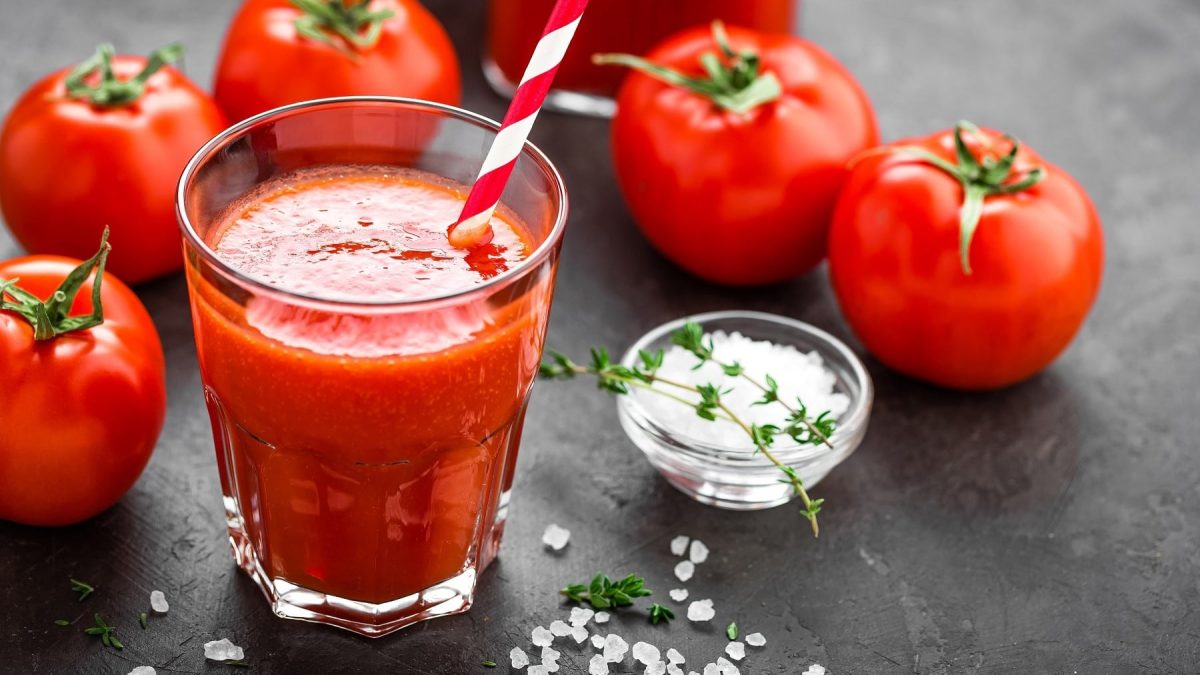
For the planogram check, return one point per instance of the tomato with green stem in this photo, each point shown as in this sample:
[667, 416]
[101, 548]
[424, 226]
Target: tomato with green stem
[730, 148]
[964, 258]
[279, 52]
[82, 389]
[103, 144]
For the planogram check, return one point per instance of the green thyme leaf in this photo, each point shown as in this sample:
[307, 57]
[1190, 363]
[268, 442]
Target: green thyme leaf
[658, 614]
[604, 593]
[731, 631]
[83, 588]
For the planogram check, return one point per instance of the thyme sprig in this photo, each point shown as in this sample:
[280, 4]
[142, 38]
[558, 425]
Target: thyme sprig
[603, 592]
[618, 379]
[106, 633]
[83, 588]
[660, 614]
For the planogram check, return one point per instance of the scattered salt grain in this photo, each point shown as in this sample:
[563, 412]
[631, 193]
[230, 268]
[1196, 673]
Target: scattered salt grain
[550, 667]
[756, 640]
[223, 650]
[712, 669]
[550, 654]
[598, 641]
[656, 668]
[560, 628]
[598, 666]
[673, 656]
[518, 657]
[727, 668]
[678, 594]
[701, 610]
[699, 552]
[556, 537]
[679, 544]
[615, 648]
[808, 378]
[601, 617]
[645, 653]
[541, 637]
[815, 669]
[579, 634]
[538, 670]
[581, 615]
[142, 670]
[158, 602]
[685, 570]
[673, 669]
[736, 650]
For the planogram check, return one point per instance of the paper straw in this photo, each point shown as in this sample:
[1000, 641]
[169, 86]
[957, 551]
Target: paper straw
[473, 227]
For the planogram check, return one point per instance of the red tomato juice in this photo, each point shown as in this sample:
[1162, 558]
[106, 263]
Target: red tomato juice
[366, 449]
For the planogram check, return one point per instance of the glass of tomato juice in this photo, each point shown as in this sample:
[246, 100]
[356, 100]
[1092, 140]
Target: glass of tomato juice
[366, 382]
[625, 26]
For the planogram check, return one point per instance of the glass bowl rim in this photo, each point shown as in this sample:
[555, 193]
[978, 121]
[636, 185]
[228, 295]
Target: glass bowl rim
[530, 264]
[848, 425]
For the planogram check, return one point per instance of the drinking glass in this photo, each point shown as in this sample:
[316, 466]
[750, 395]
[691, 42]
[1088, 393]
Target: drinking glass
[366, 450]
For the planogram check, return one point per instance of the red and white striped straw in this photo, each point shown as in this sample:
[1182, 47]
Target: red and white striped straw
[473, 227]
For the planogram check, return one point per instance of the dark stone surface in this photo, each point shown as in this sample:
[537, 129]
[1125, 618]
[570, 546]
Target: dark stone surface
[1052, 527]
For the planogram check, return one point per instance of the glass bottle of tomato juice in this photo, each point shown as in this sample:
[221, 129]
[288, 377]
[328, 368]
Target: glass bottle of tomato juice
[366, 382]
[625, 26]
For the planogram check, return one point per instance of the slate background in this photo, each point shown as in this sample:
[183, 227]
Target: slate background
[1052, 527]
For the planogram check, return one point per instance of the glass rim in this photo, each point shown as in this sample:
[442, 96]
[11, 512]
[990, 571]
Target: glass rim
[213, 146]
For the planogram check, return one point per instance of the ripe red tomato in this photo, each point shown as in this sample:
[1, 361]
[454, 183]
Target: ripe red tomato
[963, 305]
[80, 152]
[284, 51]
[80, 407]
[730, 176]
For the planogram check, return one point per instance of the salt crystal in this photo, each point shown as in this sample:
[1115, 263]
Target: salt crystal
[701, 610]
[807, 378]
[223, 650]
[550, 666]
[601, 617]
[699, 552]
[685, 570]
[579, 634]
[598, 666]
[756, 640]
[550, 654]
[679, 544]
[158, 602]
[581, 615]
[542, 637]
[727, 668]
[142, 670]
[678, 594]
[598, 641]
[615, 648]
[673, 669]
[673, 656]
[656, 668]
[560, 628]
[712, 669]
[556, 537]
[815, 669]
[538, 670]
[646, 653]
[736, 650]
[518, 657]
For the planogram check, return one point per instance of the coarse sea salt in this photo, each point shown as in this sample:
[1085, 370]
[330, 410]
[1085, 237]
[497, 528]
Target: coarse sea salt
[727, 668]
[598, 666]
[615, 648]
[518, 658]
[656, 668]
[556, 537]
[158, 602]
[223, 650]
[679, 544]
[799, 374]
[645, 653]
[815, 669]
[756, 640]
[698, 552]
[701, 610]
[598, 641]
[736, 650]
[684, 570]
[142, 670]
[541, 637]
[678, 594]
[579, 634]
[673, 656]
[560, 628]
[539, 670]
[581, 615]
[601, 617]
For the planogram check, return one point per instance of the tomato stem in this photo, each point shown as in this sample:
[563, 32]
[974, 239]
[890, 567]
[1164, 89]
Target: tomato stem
[109, 91]
[51, 318]
[351, 20]
[981, 177]
[734, 79]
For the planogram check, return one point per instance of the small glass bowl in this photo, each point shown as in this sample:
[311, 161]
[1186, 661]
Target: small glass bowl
[734, 477]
